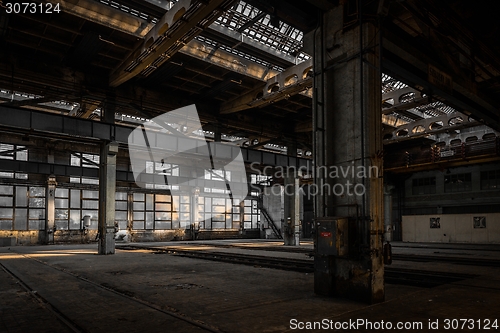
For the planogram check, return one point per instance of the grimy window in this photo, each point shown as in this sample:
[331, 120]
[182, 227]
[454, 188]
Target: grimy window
[424, 186]
[461, 182]
[22, 207]
[490, 180]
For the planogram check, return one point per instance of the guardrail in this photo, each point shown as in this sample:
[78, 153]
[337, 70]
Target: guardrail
[466, 152]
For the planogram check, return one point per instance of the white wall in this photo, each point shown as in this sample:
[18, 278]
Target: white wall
[455, 228]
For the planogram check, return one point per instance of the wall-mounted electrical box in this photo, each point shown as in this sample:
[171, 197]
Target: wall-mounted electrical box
[332, 235]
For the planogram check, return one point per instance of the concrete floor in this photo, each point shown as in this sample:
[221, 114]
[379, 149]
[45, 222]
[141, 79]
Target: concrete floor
[139, 291]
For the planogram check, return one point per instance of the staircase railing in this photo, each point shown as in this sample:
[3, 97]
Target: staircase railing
[269, 219]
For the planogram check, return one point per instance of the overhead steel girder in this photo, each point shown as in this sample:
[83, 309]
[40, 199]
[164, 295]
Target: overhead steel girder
[293, 80]
[416, 74]
[237, 40]
[185, 20]
[202, 51]
[227, 60]
[392, 120]
[398, 104]
[104, 15]
[430, 126]
[67, 127]
[30, 101]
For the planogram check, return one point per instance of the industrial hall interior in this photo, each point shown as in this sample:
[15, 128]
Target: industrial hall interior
[249, 166]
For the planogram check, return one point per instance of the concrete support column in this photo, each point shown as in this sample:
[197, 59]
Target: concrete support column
[218, 133]
[347, 151]
[388, 212]
[195, 213]
[50, 210]
[130, 212]
[242, 216]
[291, 227]
[107, 189]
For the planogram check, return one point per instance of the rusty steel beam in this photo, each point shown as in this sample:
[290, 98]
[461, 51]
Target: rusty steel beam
[104, 15]
[429, 126]
[293, 80]
[138, 27]
[185, 20]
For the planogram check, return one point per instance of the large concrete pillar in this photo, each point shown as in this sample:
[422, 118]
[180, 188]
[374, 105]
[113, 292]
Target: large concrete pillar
[291, 197]
[50, 210]
[107, 189]
[388, 212]
[195, 213]
[242, 216]
[347, 151]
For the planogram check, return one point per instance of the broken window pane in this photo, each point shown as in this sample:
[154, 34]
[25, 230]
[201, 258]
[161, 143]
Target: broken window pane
[37, 202]
[37, 191]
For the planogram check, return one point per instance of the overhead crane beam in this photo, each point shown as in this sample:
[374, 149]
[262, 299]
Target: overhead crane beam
[185, 20]
[406, 63]
[105, 15]
[227, 60]
[66, 127]
[293, 80]
[237, 40]
[138, 27]
[30, 101]
[429, 126]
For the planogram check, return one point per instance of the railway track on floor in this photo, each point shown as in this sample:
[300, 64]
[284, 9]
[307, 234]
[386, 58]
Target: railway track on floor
[447, 259]
[68, 322]
[395, 257]
[419, 278]
[73, 325]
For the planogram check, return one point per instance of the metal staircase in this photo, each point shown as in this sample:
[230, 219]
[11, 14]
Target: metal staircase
[269, 220]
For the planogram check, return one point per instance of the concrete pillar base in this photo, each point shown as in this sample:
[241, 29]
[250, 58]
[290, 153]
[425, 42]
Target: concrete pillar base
[340, 277]
[106, 245]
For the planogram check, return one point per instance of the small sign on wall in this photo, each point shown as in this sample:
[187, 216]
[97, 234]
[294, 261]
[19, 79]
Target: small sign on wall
[435, 222]
[479, 222]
